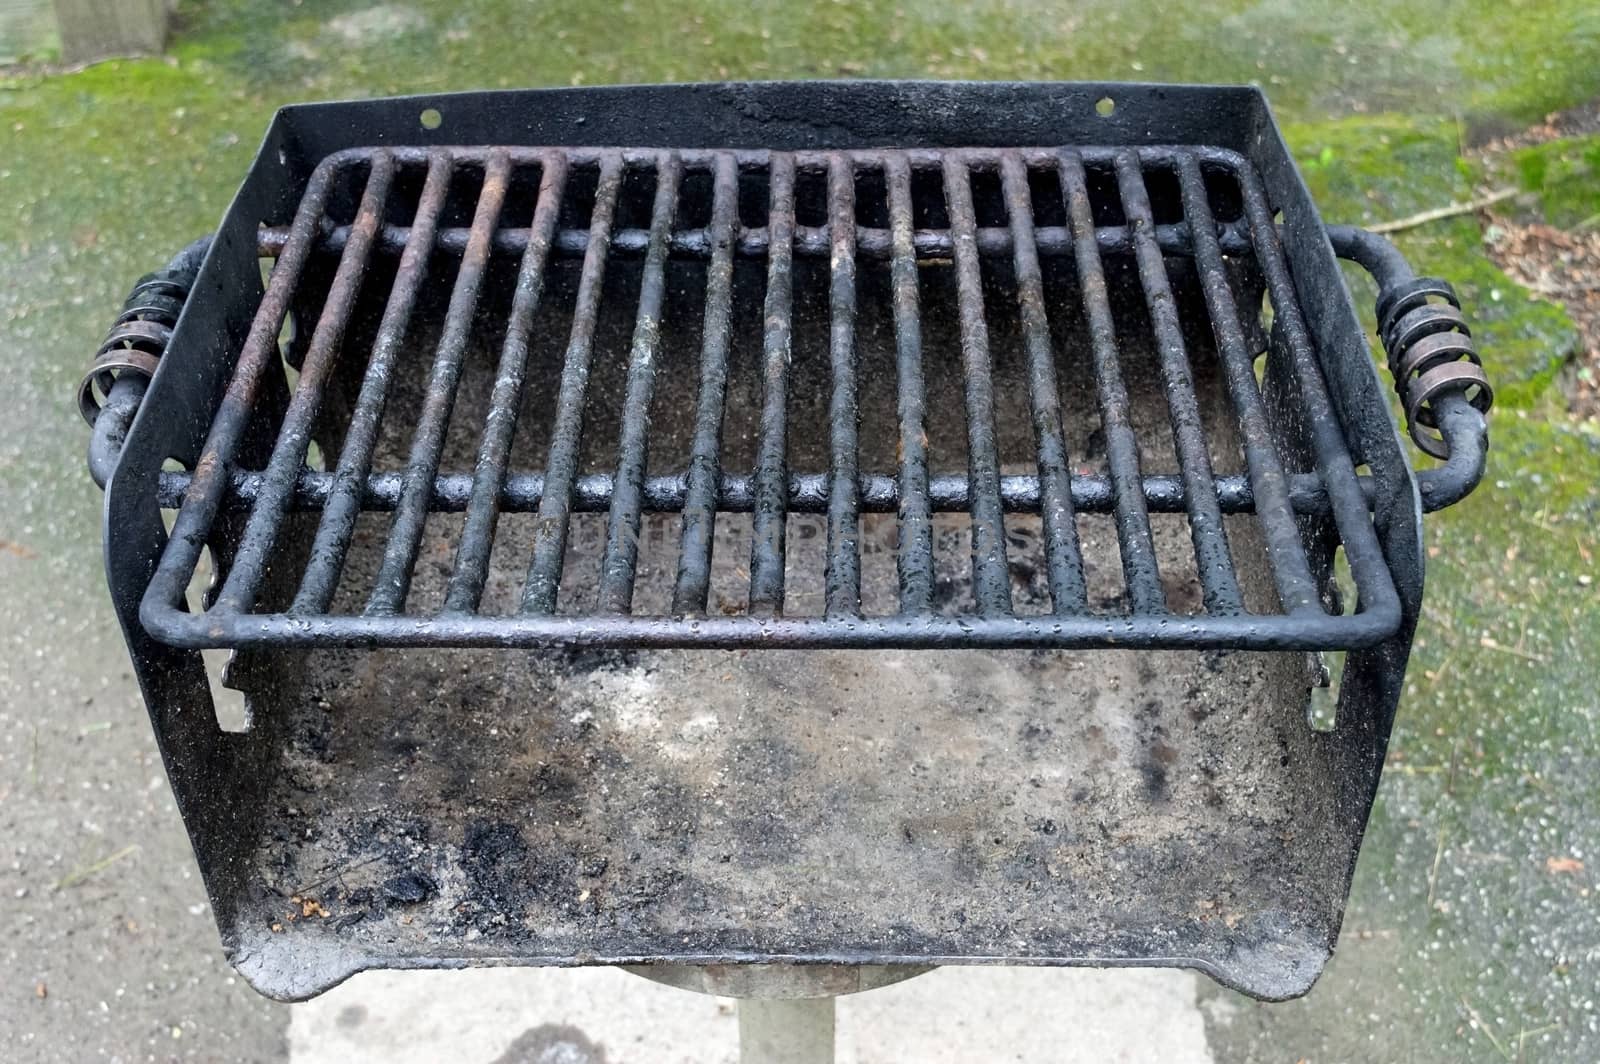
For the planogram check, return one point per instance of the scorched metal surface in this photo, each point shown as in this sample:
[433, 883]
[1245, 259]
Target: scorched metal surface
[577, 485]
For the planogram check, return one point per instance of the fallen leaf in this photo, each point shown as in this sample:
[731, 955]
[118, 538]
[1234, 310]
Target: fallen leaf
[1560, 865]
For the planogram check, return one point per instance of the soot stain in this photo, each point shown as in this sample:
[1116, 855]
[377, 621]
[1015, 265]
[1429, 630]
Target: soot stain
[494, 856]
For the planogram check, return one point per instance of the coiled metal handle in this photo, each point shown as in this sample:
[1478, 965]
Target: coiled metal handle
[137, 338]
[110, 392]
[1431, 355]
[1437, 372]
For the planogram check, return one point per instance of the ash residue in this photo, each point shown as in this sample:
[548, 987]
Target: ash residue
[494, 857]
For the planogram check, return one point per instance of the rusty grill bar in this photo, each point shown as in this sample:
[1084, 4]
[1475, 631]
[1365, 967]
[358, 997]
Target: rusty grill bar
[770, 490]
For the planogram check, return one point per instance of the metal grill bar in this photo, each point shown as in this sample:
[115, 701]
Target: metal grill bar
[1139, 569]
[1063, 556]
[1375, 588]
[618, 567]
[1219, 582]
[1297, 591]
[346, 488]
[427, 445]
[471, 569]
[842, 579]
[789, 633]
[289, 451]
[991, 576]
[914, 560]
[809, 241]
[771, 497]
[705, 463]
[555, 506]
[803, 493]
[210, 479]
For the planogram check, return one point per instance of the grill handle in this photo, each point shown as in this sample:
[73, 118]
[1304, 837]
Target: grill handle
[111, 391]
[1435, 366]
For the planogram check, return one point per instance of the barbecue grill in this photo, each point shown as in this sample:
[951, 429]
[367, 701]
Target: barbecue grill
[857, 525]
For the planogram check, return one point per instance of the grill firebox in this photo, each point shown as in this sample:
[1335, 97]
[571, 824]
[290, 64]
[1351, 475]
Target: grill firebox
[575, 495]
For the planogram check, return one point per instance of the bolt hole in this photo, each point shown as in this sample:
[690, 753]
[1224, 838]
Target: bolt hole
[1104, 106]
[431, 118]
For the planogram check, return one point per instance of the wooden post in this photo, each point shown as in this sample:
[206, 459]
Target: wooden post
[98, 29]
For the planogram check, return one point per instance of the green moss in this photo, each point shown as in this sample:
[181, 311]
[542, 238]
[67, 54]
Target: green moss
[1524, 340]
[1484, 59]
[1522, 60]
[1514, 563]
[1565, 175]
[1369, 169]
[106, 173]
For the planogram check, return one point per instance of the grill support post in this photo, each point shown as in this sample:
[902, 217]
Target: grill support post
[786, 1011]
[786, 1031]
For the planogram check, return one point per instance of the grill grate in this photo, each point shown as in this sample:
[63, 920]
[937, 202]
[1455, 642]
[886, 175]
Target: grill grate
[1106, 208]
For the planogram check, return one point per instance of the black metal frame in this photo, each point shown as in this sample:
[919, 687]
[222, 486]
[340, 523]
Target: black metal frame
[1378, 516]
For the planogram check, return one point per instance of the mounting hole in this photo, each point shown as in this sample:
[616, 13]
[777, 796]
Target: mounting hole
[1104, 106]
[431, 118]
